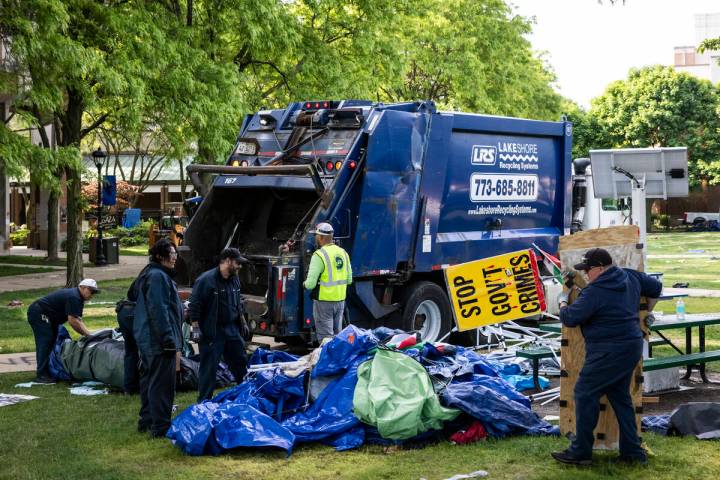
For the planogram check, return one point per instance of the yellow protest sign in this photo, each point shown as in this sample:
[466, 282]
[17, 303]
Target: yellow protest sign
[495, 290]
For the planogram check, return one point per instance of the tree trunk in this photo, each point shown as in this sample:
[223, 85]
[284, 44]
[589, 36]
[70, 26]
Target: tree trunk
[52, 220]
[74, 228]
[71, 134]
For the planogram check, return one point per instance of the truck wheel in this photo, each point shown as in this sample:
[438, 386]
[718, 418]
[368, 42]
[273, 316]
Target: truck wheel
[426, 310]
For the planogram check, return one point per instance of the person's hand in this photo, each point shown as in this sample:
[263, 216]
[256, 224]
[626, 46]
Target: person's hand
[245, 329]
[562, 298]
[568, 278]
[285, 247]
[195, 333]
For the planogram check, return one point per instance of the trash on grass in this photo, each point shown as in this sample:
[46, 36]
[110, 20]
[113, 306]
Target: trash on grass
[31, 384]
[88, 391]
[11, 399]
[475, 474]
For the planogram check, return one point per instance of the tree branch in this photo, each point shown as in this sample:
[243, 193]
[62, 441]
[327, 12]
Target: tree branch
[94, 125]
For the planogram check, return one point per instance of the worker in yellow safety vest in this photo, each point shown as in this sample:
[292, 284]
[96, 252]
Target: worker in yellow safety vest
[329, 275]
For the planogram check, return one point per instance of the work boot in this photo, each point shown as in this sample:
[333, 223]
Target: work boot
[566, 457]
[44, 379]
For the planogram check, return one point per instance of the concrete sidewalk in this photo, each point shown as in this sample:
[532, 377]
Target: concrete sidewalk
[17, 362]
[129, 266]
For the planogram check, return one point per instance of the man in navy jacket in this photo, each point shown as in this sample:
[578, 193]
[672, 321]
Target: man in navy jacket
[607, 313]
[218, 324]
[157, 330]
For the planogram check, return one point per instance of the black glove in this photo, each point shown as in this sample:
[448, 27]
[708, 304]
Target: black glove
[245, 329]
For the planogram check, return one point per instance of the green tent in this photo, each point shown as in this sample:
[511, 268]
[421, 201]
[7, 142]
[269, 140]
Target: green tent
[394, 394]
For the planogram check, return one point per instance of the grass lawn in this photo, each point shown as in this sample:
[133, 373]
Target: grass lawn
[15, 333]
[136, 250]
[669, 253]
[29, 260]
[65, 436]
[10, 270]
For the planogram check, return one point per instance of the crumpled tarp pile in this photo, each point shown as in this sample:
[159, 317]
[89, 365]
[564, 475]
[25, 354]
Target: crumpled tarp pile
[698, 419]
[100, 357]
[363, 392]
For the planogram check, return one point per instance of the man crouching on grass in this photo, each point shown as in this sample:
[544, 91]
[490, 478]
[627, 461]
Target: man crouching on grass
[46, 314]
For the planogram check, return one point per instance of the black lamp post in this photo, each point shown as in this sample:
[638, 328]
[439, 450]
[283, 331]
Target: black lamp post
[99, 159]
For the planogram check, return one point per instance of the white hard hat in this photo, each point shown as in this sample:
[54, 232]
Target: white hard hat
[89, 283]
[323, 229]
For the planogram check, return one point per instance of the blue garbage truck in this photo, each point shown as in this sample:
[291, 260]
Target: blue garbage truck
[408, 189]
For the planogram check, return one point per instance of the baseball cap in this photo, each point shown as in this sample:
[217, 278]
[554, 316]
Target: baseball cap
[595, 257]
[91, 284]
[233, 254]
[323, 229]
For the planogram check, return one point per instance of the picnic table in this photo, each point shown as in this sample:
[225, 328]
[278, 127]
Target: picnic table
[684, 358]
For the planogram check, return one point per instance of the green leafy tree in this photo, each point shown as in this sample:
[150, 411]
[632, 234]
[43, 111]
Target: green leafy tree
[83, 62]
[588, 132]
[472, 55]
[658, 106]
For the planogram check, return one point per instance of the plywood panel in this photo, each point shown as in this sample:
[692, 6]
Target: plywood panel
[621, 242]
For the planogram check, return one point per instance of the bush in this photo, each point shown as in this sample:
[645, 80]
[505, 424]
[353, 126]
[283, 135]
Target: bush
[660, 220]
[20, 236]
[128, 237]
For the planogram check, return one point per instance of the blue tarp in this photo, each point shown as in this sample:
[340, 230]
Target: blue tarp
[57, 371]
[269, 408]
[340, 353]
[659, 424]
[131, 217]
[501, 412]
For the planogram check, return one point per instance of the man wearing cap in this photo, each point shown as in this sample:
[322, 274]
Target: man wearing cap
[218, 321]
[607, 313]
[329, 275]
[51, 311]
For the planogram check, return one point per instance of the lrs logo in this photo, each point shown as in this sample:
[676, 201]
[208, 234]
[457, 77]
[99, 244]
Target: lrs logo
[483, 155]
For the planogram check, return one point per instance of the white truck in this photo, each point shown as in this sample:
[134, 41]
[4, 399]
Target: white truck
[694, 218]
[590, 212]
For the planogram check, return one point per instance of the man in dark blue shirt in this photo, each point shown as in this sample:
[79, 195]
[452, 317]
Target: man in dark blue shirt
[607, 313]
[216, 313]
[51, 311]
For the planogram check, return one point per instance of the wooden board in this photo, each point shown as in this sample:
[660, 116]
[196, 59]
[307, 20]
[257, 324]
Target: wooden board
[622, 244]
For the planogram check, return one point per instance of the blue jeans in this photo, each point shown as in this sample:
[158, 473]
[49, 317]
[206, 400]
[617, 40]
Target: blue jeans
[607, 374]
